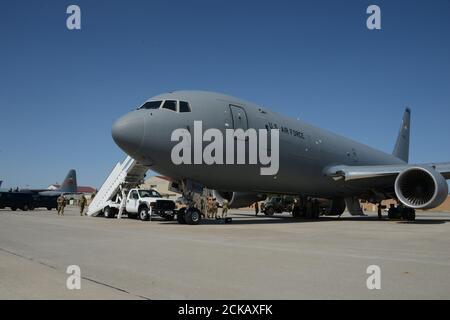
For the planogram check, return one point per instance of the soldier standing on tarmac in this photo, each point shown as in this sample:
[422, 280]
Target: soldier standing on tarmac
[224, 208]
[61, 201]
[83, 202]
[202, 205]
[256, 208]
[215, 208]
[208, 207]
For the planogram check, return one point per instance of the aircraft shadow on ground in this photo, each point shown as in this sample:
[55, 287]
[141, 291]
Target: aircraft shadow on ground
[243, 219]
[426, 221]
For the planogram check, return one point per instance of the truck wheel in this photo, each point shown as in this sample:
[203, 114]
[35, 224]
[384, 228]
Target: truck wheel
[143, 214]
[108, 213]
[269, 211]
[193, 216]
[49, 208]
[180, 216]
[13, 208]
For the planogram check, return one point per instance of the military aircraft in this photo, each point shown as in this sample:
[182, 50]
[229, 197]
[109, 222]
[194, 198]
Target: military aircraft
[313, 163]
[69, 186]
[28, 199]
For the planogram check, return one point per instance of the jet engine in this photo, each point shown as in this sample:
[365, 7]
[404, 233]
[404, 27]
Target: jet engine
[421, 188]
[238, 199]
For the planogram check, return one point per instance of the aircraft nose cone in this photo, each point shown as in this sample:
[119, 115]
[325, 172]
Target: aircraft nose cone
[128, 132]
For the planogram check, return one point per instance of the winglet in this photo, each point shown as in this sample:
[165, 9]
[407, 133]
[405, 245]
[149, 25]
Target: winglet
[70, 183]
[401, 149]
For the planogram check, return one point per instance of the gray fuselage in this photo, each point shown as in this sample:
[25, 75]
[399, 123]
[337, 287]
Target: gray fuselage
[304, 150]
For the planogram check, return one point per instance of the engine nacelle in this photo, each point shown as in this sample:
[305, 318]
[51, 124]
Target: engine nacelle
[238, 199]
[421, 188]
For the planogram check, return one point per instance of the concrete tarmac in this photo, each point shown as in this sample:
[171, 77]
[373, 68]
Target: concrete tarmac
[252, 258]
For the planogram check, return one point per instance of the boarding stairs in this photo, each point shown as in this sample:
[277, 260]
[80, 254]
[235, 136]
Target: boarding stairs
[125, 175]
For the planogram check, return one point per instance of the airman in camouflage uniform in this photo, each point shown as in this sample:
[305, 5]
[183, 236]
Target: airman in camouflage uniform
[61, 202]
[83, 202]
[224, 208]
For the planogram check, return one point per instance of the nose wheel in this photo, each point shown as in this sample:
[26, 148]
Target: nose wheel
[190, 216]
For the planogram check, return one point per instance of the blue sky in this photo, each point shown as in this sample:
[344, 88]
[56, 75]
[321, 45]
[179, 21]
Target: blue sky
[61, 90]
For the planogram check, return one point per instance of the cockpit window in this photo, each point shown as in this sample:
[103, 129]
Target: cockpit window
[173, 105]
[151, 105]
[170, 104]
[184, 107]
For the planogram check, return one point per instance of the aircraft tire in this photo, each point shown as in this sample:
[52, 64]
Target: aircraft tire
[408, 214]
[192, 216]
[296, 212]
[392, 213]
[316, 215]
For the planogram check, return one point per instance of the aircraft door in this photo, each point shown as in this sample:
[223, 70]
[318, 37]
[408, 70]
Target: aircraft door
[239, 117]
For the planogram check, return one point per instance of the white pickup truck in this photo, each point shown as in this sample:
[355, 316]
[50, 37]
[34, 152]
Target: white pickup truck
[141, 204]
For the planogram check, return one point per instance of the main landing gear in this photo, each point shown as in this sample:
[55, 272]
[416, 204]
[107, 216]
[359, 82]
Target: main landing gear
[398, 213]
[306, 208]
[401, 212]
[380, 215]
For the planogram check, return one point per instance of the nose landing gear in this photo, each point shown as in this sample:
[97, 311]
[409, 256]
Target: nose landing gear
[189, 215]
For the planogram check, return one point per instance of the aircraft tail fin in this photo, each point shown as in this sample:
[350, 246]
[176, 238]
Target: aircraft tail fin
[70, 182]
[401, 149]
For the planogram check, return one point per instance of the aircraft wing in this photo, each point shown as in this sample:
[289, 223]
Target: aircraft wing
[347, 173]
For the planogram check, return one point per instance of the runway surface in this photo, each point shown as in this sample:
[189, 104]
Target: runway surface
[252, 258]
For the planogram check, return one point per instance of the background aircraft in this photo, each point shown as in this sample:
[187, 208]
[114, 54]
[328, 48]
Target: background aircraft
[28, 199]
[69, 186]
[314, 163]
